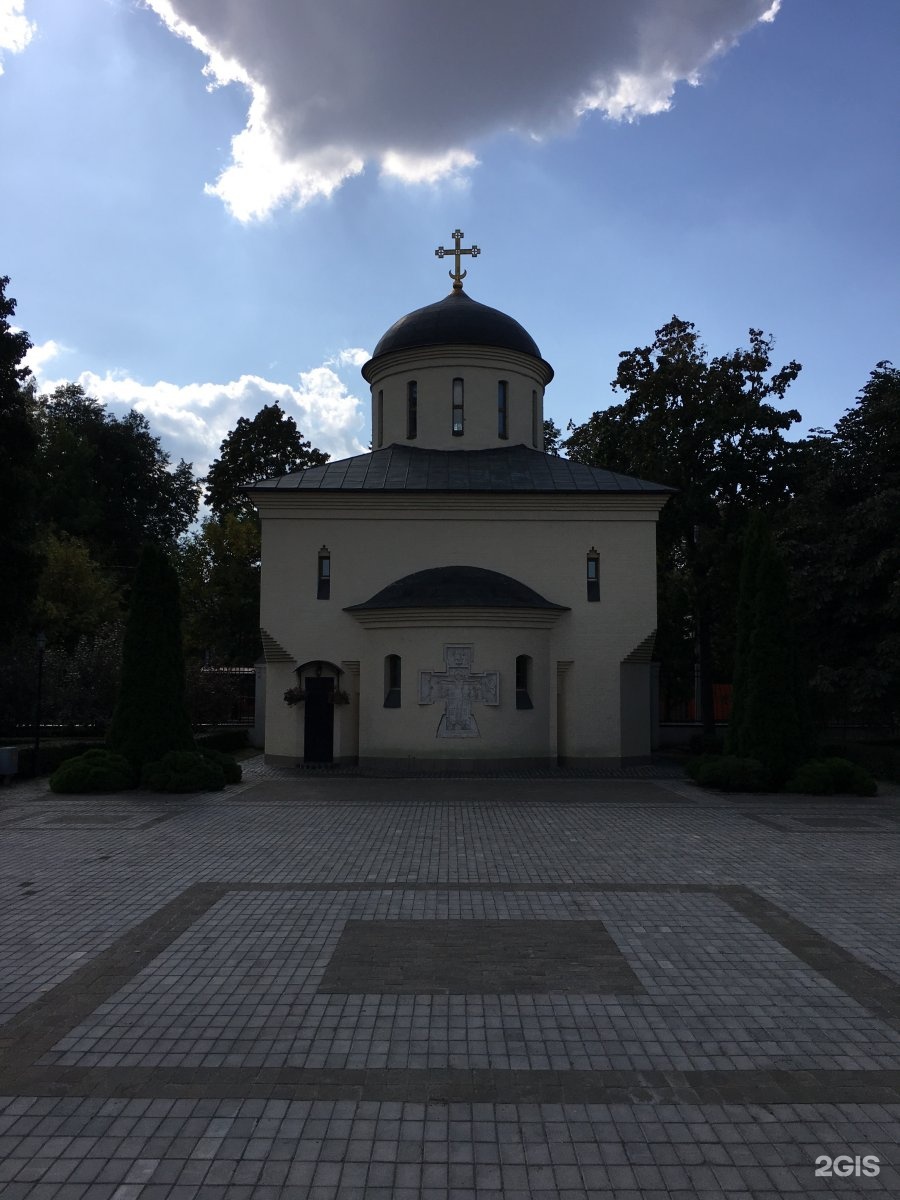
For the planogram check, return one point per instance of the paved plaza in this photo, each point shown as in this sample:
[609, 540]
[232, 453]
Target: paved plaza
[332, 986]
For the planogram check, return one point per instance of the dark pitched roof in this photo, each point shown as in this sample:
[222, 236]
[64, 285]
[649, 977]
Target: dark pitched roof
[456, 587]
[456, 320]
[400, 468]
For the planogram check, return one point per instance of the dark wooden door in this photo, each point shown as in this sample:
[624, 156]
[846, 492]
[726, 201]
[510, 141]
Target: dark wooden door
[318, 721]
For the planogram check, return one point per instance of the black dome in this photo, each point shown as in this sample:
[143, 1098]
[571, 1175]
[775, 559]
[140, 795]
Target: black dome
[455, 320]
[456, 587]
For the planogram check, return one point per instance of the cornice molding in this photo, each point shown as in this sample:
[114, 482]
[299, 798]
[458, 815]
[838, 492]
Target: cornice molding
[443, 618]
[452, 356]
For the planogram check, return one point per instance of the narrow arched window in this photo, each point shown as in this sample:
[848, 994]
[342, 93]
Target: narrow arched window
[503, 409]
[379, 420]
[593, 575]
[457, 419]
[392, 681]
[523, 681]
[412, 406]
[323, 590]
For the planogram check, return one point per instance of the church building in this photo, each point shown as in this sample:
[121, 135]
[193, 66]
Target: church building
[458, 598]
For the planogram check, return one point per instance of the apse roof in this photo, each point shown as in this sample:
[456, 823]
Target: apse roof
[456, 320]
[402, 468]
[456, 587]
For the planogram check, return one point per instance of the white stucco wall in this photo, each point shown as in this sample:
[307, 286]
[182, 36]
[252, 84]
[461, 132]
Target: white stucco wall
[541, 540]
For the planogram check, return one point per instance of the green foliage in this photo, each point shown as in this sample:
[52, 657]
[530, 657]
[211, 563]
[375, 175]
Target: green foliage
[260, 447]
[75, 597]
[94, 771]
[881, 759]
[745, 619]
[50, 756]
[183, 771]
[706, 427]
[729, 773]
[552, 437]
[18, 475]
[150, 717]
[841, 534]
[106, 479]
[230, 767]
[706, 744]
[219, 571]
[768, 721]
[219, 565]
[832, 776]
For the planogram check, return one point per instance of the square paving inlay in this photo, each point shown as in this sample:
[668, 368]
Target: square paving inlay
[217, 994]
[478, 956]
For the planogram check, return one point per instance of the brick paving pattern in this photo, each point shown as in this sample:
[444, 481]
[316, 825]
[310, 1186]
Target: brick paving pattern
[539, 985]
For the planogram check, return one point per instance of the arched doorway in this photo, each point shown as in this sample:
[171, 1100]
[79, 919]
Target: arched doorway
[318, 720]
[319, 690]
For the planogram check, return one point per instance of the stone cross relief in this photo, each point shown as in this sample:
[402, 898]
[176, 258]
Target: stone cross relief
[459, 687]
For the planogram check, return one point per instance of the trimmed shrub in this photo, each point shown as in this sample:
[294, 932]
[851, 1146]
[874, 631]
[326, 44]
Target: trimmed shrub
[770, 717]
[832, 776]
[728, 773]
[51, 755]
[706, 744]
[150, 718]
[183, 771]
[231, 768]
[95, 771]
[881, 759]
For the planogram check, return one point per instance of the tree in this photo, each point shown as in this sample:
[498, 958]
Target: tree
[260, 447]
[552, 437]
[18, 482]
[745, 618]
[219, 571]
[219, 566]
[107, 480]
[769, 718]
[706, 427]
[151, 718]
[75, 598]
[841, 534]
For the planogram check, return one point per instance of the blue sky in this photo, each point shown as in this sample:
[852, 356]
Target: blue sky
[150, 267]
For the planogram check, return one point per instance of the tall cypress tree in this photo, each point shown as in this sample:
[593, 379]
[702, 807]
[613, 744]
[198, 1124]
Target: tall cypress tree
[151, 717]
[18, 475]
[745, 618]
[770, 720]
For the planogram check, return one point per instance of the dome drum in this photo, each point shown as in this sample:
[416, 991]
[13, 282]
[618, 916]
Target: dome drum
[455, 375]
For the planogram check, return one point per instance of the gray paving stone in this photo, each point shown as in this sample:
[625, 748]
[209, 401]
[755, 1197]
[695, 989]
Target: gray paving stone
[184, 958]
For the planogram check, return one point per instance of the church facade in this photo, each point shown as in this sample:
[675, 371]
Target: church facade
[457, 598]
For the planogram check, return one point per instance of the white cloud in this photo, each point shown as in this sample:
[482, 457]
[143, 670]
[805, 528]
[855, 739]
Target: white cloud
[16, 31]
[355, 356]
[38, 356]
[411, 85]
[192, 419]
[418, 168]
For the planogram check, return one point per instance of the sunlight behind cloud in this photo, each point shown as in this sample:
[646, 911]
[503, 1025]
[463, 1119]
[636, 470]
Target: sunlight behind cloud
[16, 31]
[413, 168]
[332, 87]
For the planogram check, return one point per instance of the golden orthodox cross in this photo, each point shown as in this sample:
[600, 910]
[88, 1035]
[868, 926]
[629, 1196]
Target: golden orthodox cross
[456, 275]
